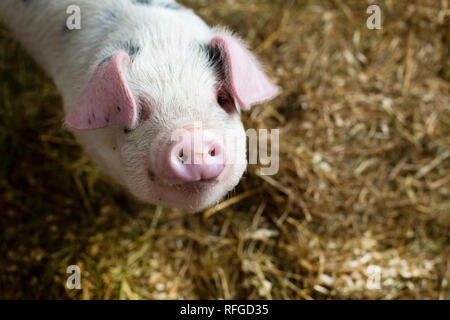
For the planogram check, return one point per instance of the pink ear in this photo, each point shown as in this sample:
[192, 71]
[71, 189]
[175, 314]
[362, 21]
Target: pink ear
[107, 100]
[249, 83]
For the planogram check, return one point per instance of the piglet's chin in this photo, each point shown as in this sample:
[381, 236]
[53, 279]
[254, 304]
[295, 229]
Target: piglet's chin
[192, 197]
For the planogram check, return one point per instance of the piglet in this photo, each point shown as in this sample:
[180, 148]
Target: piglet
[152, 93]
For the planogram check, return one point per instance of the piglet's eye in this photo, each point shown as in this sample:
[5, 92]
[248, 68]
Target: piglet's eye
[222, 100]
[143, 115]
[226, 102]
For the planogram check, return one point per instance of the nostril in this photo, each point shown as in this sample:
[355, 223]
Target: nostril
[182, 156]
[212, 152]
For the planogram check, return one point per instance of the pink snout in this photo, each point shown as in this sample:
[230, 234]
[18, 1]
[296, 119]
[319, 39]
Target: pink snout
[197, 155]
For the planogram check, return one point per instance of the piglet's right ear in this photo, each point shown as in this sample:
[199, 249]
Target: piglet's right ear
[107, 100]
[248, 81]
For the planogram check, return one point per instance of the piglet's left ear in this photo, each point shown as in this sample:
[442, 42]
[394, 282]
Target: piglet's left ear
[107, 99]
[248, 81]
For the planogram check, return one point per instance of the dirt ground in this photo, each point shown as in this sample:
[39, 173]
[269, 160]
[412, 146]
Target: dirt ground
[360, 207]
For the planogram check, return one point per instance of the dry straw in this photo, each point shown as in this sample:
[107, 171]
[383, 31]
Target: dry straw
[359, 209]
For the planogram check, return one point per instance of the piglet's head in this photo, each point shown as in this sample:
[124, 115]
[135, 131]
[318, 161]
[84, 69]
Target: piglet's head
[189, 149]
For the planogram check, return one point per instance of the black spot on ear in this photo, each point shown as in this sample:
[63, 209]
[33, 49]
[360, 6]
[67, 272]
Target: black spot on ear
[132, 49]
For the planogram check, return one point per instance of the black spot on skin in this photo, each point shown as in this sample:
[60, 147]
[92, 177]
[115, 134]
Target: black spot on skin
[146, 2]
[126, 131]
[132, 49]
[216, 57]
[118, 109]
[112, 14]
[105, 60]
[218, 61]
[107, 119]
[168, 5]
[109, 20]
[172, 5]
[89, 121]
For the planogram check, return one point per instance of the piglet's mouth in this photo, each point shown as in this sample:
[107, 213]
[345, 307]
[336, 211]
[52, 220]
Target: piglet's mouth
[194, 187]
[192, 196]
[181, 186]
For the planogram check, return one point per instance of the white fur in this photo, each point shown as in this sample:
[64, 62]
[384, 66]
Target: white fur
[171, 75]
